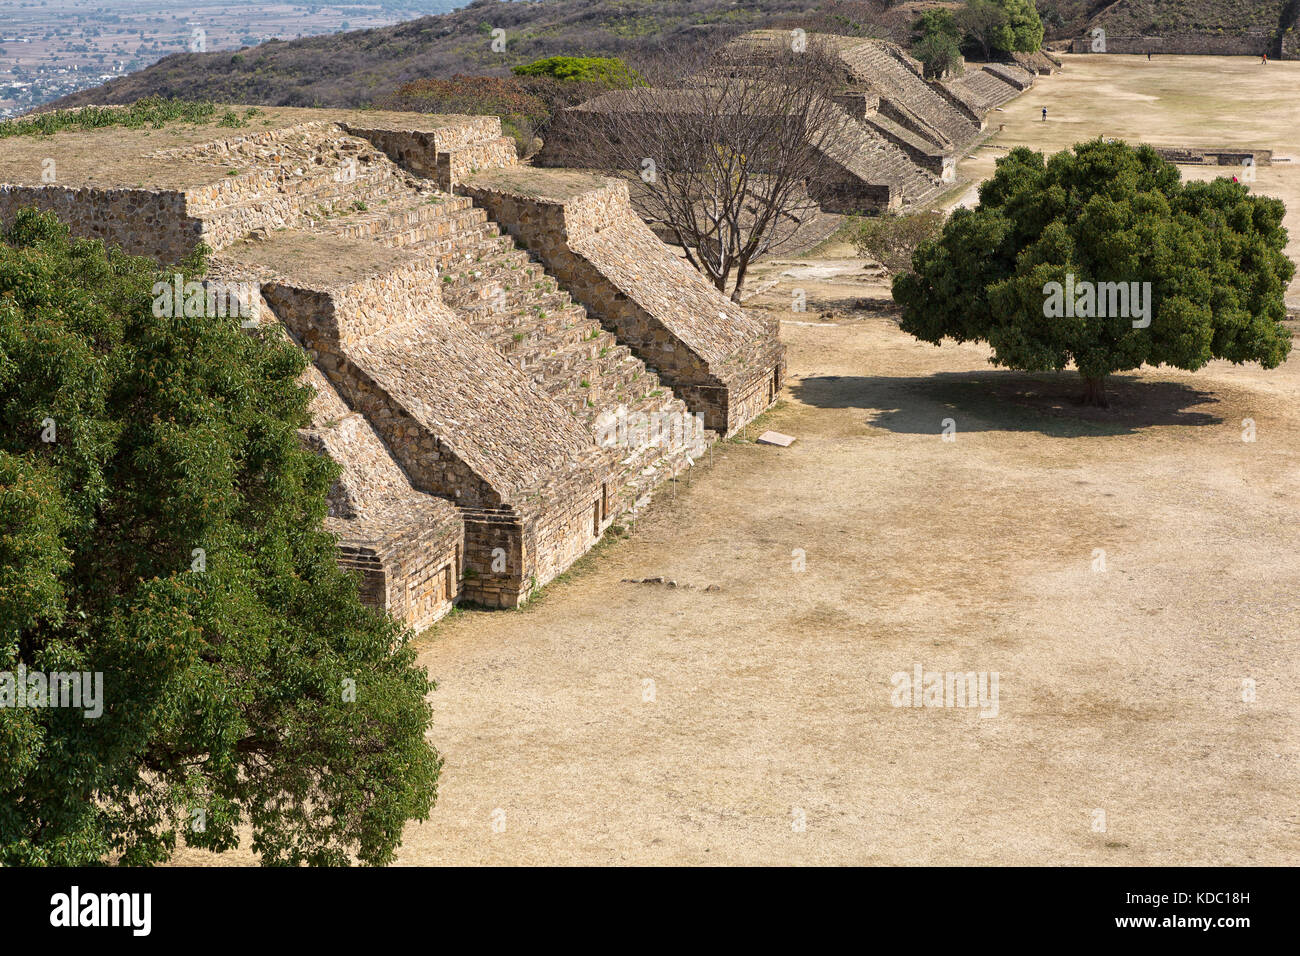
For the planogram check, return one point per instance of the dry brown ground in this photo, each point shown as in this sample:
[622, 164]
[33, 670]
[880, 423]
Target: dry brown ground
[1119, 691]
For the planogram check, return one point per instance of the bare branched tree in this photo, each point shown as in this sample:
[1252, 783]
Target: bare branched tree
[730, 160]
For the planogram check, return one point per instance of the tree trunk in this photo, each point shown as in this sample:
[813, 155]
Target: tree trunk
[740, 282]
[1095, 392]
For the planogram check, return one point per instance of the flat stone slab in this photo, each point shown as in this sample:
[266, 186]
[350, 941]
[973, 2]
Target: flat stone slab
[776, 438]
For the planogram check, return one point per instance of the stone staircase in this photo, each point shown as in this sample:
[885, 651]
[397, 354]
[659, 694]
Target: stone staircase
[307, 177]
[328, 182]
[895, 81]
[510, 300]
[873, 158]
[991, 90]
[497, 289]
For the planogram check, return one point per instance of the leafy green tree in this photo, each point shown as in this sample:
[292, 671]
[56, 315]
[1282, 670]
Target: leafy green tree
[1002, 26]
[160, 524]
[940, 54]
[1105, 213]
[985, 22]
[1024, 26]
[936, 23]
[606, 70]
[936, 41]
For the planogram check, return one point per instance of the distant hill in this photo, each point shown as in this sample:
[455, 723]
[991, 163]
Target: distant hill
[352, 69]
[1200, 26]
[364, 66]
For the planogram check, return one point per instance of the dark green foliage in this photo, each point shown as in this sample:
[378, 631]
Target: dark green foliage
[936, 41]
[1105, 212]
[1002, 26]
[940, 54]
[224, 689]
[936, 23]
[1024, 27]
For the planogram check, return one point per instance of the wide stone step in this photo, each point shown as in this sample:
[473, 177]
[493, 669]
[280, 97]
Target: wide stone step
[322, 192]
[432, 228]
[472, 281]
[391, 221]
[531, 338]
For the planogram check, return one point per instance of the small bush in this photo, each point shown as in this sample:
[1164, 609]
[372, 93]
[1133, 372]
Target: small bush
[891, 240]
[609, 71]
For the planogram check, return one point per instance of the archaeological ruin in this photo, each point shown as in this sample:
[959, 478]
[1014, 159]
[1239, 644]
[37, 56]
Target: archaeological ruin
[506, 360]
[907, 131]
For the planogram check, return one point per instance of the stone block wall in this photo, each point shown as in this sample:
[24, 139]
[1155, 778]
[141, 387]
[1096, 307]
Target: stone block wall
[1215, 155]
[142, 222]
[445, 155]
[413, 571]
[494, 558]
[1185, 44]
[858, 103]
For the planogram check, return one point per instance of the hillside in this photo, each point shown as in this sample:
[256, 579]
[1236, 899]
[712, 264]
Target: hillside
[361, 67]
[1200, 26]
[352, 69]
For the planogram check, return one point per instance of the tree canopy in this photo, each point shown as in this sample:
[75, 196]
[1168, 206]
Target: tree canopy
[936, 41]
[161, 526]
[1024, 29]
[1002, 26]
[1051, 268]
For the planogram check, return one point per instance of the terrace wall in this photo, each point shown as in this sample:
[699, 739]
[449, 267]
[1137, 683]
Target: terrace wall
[142, 222]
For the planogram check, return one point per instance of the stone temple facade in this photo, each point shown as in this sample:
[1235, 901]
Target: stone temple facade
[505, 359]
[905, 132]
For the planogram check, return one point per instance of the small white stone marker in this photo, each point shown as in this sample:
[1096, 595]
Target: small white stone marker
[776, 438]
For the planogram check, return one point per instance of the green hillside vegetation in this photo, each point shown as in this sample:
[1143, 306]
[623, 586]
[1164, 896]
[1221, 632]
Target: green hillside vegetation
[606, 70]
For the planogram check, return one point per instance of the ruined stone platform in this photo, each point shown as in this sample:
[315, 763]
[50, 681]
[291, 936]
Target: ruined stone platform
[902, 133]
[505, 359]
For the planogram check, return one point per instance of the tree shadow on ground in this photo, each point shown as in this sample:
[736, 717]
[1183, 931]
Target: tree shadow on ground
[1008, 401]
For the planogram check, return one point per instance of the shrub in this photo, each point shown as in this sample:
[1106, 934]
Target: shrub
[892, 240]
[610, 72]
[155, 111]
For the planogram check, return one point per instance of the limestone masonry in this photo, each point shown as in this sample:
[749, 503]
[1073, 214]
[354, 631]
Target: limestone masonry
[505, 359]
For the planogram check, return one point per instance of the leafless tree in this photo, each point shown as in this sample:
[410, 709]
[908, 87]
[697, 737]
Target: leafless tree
[729, 160]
